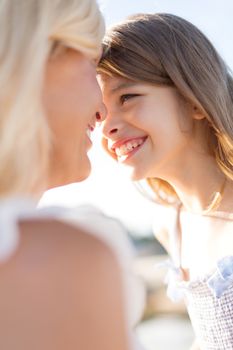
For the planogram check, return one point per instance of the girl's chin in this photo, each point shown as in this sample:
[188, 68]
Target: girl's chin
[134, 177]
[132, 173]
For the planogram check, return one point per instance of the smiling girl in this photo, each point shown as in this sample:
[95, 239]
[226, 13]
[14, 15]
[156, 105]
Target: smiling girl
[169, 97]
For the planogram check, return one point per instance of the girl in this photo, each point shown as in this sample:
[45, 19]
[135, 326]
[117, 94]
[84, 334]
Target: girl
[61, 279]
[169, 97]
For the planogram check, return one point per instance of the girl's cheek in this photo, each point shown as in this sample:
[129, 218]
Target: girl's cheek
[104, 143]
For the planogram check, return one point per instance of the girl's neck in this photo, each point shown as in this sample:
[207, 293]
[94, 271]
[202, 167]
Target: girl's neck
[198, 183]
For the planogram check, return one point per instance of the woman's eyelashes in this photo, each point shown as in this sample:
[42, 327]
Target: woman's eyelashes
[124, 98]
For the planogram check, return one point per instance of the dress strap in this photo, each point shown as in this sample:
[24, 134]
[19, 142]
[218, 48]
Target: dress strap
[11, 211]
[175, 239]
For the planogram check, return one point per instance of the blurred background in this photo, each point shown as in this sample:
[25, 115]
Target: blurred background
[165, 325]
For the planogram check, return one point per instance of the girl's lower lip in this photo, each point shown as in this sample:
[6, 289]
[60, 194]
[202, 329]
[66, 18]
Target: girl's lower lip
[124, 158]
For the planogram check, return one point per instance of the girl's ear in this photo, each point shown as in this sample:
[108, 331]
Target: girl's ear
[197, 115]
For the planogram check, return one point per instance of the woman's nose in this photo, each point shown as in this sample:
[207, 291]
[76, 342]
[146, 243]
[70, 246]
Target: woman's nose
[101, 114]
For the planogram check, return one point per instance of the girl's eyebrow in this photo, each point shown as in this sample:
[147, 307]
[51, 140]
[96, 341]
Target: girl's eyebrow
[122, 86]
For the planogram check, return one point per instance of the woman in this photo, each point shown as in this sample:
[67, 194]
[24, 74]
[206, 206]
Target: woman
[61, 281]
[169, 97]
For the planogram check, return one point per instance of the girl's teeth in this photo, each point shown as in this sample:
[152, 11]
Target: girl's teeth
[127, 147]
[118, 152]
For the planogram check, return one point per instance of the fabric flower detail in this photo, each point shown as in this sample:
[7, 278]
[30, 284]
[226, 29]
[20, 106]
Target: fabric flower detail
[172, 279]
[222, 278]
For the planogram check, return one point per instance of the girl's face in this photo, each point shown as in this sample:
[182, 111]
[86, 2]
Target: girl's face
[71, 97]
[148, 127]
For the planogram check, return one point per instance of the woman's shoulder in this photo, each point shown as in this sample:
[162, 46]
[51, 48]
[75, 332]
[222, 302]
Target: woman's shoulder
[59, 277]
[52, 254]
[21, 220]
[37, 237]
[56, 221]
[103, 227]
[57, 236]
[54, 251]
[85, 231]
[81, 237]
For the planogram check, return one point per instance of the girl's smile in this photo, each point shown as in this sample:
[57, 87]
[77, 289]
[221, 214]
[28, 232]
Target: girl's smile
[124, 149]
[147, 127]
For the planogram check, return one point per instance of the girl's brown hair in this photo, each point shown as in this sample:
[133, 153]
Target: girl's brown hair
[164, 49]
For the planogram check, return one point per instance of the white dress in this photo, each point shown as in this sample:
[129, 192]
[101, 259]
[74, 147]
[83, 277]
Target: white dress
[209, 297]
[109, 230]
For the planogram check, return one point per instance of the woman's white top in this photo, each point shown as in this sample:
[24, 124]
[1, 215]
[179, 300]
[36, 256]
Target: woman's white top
[106, 229]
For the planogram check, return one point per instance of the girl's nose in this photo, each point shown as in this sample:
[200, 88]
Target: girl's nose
[113, 131]
[110, 127]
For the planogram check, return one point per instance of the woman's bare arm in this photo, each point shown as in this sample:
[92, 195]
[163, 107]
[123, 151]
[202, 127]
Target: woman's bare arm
[61, 291]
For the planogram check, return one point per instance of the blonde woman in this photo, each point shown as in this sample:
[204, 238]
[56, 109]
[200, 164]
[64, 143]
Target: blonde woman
[169, 97]
[62, 283]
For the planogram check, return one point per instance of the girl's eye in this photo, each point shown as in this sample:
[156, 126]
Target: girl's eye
[127, 97]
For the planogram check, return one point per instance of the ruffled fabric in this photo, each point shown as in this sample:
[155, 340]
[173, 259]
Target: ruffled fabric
[218, 281]
[209, 298]
[173, 280]
[222, 278]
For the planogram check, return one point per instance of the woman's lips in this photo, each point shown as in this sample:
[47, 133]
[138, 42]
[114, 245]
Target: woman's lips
[124, 149]
[89, 130]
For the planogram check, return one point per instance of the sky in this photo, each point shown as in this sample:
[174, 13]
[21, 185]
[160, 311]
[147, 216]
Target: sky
[109, 187]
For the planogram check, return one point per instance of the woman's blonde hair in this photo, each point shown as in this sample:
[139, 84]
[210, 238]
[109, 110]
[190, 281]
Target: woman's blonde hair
[28, 32]
[164, 49]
